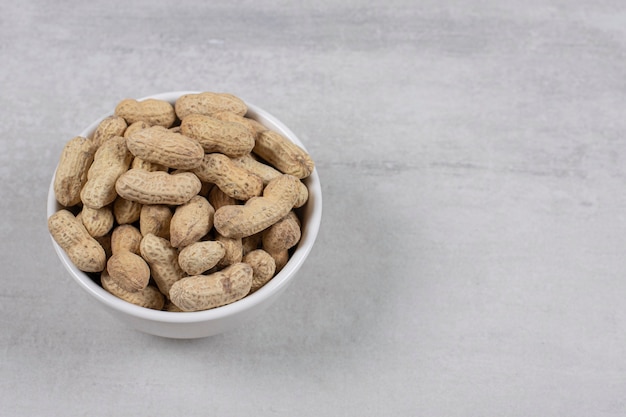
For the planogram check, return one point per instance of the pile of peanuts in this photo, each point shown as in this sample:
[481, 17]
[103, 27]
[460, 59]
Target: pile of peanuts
[182, 207]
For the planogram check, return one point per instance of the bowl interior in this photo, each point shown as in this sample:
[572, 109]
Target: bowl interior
[310, 214]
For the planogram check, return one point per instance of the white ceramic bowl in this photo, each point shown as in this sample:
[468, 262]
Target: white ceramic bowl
[210, 322]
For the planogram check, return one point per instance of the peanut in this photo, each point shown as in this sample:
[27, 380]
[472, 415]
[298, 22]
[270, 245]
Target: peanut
[163, 261]
[283, 154]
[111, 160]
[151, 111]
[252, 125]
[280, 258]
[134, 127]
[125, 238]
[191, 221]
[108, 128]
[157, 187]
[82, 249]
[268, 173]
[280, 237]
[149, 297]
[203, 292]
[71, 173]
[199, 257]
[263, 268]
[234, 181]
[258, 213]
[284, 234]
[231, 139]
[217, 198]
[233, 250]
[125, 211]
[208, 103]
[98, 222]
[155, 219]
[139, 163]
[160, 146]
[129, 270]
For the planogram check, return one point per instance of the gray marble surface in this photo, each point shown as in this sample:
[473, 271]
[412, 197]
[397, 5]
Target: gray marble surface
[471, 256]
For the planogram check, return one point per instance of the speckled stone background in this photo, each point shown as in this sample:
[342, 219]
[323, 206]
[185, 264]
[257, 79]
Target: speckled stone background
[471, 260]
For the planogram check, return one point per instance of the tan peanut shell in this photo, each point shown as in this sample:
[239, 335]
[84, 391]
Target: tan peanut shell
[139, 163]
[284, 234]
[98, 222]
[152, 111]
[163, 147]
[280, 258]
[233, 250]
[134, 127]
[163, 261]
[208, 103]
[129, 271]
[108, 128]
[217, 198]
[252, 125]
[155, 219]
[126, 211]
[303, 195]
[283, 154]
[199, 257]
[82, 249]
[191, 221]
[234, 181]
[214, 135]
[71, 173]
[268, 173]
[125, 238]
[258, 213]
[263, 268]
[280, 237]
[158, 187]
[111, 160]
[149, 297]
[203, 292]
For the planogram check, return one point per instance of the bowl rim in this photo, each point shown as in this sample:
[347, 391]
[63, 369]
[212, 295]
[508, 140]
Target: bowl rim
[274, 286]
